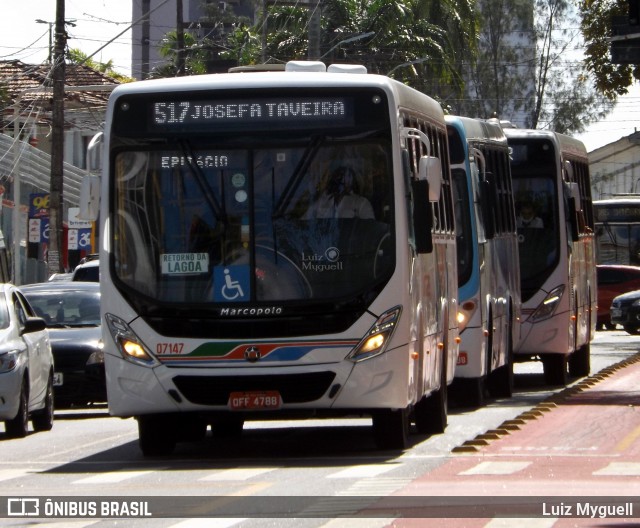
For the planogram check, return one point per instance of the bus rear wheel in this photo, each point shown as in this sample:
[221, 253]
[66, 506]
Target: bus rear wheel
[580, 361]
[555, 369]
[391, 428]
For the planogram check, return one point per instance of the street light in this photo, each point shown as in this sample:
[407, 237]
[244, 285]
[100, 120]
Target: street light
[51, 24]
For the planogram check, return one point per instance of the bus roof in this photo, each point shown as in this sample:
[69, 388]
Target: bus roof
[566, 144]
[259, 80]
[478, 128]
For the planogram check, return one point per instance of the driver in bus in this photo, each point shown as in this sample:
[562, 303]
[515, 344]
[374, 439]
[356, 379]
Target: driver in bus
[527, 216]
[339, 199]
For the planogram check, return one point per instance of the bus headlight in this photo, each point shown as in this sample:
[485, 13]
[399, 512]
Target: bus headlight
[377, 339]
[467, 309]
[129, 344]
[549, 305]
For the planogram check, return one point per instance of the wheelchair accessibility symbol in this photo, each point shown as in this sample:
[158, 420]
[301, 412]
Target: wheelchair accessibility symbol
[231, 283]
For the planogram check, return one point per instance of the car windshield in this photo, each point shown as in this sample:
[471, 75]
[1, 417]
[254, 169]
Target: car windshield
[64, 308]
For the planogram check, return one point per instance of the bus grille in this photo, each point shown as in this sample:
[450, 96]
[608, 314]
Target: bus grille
[215, 390]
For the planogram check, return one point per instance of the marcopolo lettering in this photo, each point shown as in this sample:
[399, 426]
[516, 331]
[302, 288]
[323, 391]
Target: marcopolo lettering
[255, 311]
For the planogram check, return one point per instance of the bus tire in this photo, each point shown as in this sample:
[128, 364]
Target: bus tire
[391, 428]
[501, 379]
[580, 361]
[473, 391]
[430, 413]
[156, 435]
[227, 427]
[555, 369]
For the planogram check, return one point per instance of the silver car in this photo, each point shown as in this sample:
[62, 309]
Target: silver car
[26, 366]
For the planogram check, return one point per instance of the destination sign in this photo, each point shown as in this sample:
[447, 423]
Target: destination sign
[268, 111]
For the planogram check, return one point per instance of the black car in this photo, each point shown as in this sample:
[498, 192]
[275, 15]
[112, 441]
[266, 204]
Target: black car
[71, 311]
[625, 311]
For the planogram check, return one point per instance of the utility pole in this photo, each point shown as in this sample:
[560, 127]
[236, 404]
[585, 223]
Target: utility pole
[57, 144]
[315, 8]
[181, 52]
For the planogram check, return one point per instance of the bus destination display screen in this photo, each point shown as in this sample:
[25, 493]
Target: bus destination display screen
[290, 112]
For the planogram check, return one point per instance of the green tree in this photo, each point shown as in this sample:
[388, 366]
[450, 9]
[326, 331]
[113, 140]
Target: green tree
[195, 56]
[565, 99]
[499, 79]
[611, 79]
[76, 56]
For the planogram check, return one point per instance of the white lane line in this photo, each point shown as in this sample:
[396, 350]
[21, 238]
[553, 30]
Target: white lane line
[364, 471]
[237, 474]
[111, 477]
[625, 469]
[495, 468]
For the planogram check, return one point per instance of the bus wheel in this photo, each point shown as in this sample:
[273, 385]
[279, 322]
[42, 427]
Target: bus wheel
[580, 361]
[473, 391]
[227, 427]
[391, 428]
[430, 413]
[555, 369]
[156, 434]
[501, 379]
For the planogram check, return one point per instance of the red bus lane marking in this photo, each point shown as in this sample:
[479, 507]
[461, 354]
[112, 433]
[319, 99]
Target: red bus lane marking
[587, 445]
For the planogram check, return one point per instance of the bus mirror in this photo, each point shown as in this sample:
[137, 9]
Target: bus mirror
[431, 171]
[487, 201]
[422, 216]
[94, 153]
[574, 193]
[568, 171]
[89, 198]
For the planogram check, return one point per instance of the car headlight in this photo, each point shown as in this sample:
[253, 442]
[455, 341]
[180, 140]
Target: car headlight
[377, 339]
[636, 303]
[549, 304]
[9, 360]
[129, 344]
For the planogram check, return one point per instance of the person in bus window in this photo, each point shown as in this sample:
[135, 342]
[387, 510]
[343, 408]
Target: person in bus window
[527, 216]
[340, 199]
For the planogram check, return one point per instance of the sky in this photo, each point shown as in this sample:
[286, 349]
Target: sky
[100, 21]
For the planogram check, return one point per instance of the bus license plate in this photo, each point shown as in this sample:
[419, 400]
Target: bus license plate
[57, 379]
[262, 400]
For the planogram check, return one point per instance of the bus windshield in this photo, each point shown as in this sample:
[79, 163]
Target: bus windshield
[533, 169]
[215, 222]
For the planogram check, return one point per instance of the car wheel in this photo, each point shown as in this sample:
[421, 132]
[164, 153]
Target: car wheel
[19, 426]
[42, 420]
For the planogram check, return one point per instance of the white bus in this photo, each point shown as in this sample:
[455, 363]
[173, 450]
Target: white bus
[617, 225]
[555, 223]
[488, 266]
[276, 244]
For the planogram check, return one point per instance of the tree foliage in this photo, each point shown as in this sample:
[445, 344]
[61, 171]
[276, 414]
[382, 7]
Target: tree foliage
[565, 99]
[76, 56]
[611, 79]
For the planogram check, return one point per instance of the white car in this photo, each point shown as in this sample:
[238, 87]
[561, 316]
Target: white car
[26, 366]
